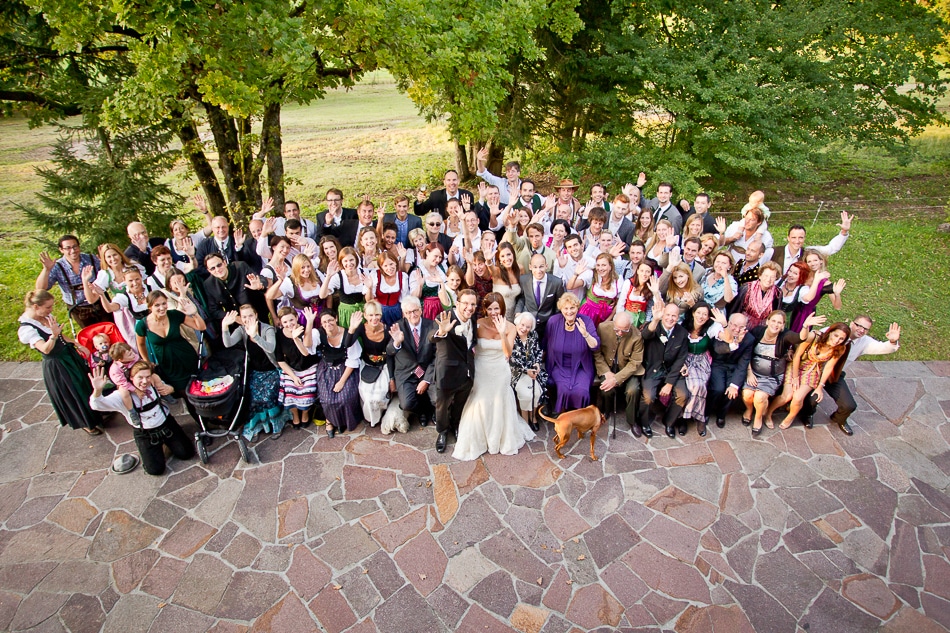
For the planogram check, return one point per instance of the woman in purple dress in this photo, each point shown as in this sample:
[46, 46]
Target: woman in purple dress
[570, 339]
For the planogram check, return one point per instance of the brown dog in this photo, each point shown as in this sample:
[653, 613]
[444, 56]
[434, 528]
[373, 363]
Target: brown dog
[586, 419]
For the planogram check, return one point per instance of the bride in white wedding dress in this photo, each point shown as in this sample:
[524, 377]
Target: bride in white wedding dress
[490, 421]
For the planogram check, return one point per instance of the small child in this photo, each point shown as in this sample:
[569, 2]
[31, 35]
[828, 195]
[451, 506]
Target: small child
[123, 357]
[100, 354]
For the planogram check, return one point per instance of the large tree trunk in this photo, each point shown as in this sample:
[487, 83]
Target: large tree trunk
[191, 147]
[225, 134]
[496, 159]
[461, 162]
[271, 148]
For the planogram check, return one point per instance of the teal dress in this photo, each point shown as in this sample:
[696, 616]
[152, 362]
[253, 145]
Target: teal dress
[177, 360]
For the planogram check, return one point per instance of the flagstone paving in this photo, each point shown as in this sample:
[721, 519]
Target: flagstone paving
[799, 530]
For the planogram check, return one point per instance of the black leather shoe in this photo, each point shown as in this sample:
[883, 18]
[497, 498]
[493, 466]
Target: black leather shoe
[845, 428]
[681, 427]
[331, 432]
[534, 426]
[720, 422]
[440, 442]
[424, 420]
[670, 431]
[648, 431]
[810, 422]
[637, 431]
[701, 428]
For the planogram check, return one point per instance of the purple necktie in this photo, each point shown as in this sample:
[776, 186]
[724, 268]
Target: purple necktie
[537, 293]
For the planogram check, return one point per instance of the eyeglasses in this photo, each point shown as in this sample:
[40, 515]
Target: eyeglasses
[74, 247]
[215, 266]
[334, 199]
[862, 326]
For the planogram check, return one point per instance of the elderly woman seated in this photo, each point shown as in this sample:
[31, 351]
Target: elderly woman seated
[570, 338]
[528, 376]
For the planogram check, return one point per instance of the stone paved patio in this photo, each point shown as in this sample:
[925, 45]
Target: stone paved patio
[800, 530]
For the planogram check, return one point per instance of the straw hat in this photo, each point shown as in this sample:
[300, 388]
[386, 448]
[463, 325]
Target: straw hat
[567, 183]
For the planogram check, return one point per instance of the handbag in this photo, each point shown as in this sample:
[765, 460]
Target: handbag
[370, 373]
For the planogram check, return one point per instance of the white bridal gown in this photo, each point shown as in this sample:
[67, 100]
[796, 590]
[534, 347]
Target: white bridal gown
[490, 421]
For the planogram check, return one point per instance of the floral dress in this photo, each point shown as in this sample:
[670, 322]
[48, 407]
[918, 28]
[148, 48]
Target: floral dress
[527, 355]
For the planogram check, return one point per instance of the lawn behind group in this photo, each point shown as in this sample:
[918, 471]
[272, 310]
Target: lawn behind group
[370, 140]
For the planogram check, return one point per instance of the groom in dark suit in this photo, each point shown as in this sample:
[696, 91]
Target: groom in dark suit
[540, 293]
[413, 353]
[454, 364]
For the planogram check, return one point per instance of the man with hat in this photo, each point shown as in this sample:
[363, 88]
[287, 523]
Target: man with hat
[564, 195]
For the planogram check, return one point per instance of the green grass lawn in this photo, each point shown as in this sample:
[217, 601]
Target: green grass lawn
[371, 140]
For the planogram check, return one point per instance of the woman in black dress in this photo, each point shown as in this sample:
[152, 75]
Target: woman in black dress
[376, 367]
[298, 383]
[65, 373]
[337, 374]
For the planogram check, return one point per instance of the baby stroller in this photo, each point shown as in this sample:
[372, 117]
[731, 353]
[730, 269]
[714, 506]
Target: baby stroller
[217, 394]
[85, 336]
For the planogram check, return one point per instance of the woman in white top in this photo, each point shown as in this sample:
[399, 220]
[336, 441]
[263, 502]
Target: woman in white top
[127, 307]
[111, 277]
[300, 289]
[346, 278]
[391, 286]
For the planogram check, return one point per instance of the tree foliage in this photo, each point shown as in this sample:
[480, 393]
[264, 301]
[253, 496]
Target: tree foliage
[691, 88]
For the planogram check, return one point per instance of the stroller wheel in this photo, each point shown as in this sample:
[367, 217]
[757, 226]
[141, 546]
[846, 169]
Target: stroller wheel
[202, 450]
[242, 446]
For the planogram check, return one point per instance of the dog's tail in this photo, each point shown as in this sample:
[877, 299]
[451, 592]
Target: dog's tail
[554, 420]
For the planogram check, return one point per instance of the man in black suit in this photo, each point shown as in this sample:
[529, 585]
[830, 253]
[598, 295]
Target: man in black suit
[665, 348]
[437, 199]
[229, 286]
[731, 355]
[403, 221]
[540, 293]
[454, 364]
[229, 246]
[334, 214]
[140, 247]
[348, 231]
[413, 353]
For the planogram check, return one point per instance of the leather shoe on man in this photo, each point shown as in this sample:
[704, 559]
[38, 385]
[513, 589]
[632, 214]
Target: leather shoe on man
[845, 428]
[440, 442]
[424, 420]
[721, 422]
[809, 421]
[534, 426]
[637, 431]
[670, 431]
[648, 431]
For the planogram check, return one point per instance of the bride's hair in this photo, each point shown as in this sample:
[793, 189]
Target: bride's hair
[490, 298]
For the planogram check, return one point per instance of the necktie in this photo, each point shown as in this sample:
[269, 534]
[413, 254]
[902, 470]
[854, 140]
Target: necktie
[537, 293]
[415, 338]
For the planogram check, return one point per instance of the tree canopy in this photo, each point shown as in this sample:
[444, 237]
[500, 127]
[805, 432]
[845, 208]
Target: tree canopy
[680, 88]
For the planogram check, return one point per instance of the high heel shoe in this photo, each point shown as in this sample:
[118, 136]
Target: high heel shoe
[756, 431]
